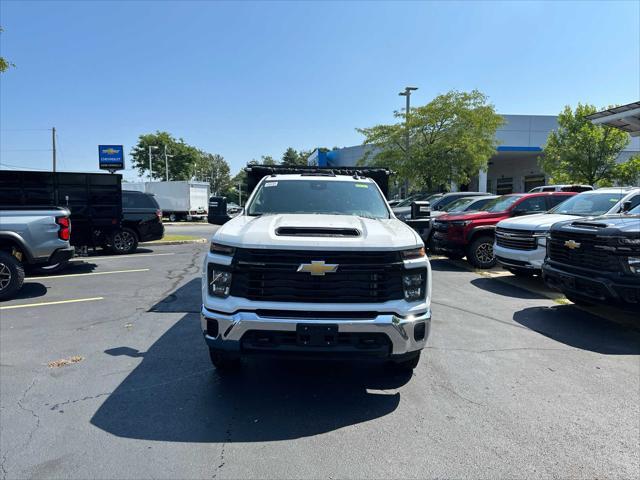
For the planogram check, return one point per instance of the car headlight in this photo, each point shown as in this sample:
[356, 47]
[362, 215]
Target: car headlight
[414, 285]
[219, 280]
[634, 264]
[541, 239]
[221, 249]
[460, 223]
[413, 253]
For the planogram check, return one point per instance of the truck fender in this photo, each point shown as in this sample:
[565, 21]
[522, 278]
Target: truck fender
[13, 239]
[479, 230]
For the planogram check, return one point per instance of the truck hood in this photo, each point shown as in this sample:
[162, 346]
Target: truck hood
[470, 216]
[625, 224]
[260, 232]
[541, 221]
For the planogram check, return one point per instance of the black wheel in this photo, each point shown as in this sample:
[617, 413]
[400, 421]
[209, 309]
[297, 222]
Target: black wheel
[578, 300]
[49, 269]
[173, 217]
[11, 276]
[521, 272]
[454, 256]
[224, 361]
[124, 241]
[407, 365]
[480, 252]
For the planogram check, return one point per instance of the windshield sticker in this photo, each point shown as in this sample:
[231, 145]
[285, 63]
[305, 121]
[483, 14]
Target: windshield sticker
[362, 185]
[270, 184]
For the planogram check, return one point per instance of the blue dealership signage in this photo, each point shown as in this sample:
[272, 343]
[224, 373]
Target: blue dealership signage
[111, 157]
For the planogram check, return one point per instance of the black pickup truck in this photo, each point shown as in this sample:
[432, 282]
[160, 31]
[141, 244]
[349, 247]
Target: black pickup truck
[596, 260]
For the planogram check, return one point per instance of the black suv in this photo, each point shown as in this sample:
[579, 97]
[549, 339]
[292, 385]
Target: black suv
[141, 222]
[596, 260]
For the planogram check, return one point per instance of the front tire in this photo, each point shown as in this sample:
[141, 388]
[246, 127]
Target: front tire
[224, 361]
[480, 252]
[124, 242]
[11, 276]
[173, 217]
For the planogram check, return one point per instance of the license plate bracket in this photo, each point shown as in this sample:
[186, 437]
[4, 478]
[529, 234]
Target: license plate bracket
[316, 335]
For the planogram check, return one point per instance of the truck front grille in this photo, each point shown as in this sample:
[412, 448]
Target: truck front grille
[361, 277]
[591, 253]
[515, 239]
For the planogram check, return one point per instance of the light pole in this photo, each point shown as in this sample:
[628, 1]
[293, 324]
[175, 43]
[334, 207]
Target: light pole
[407, 94]
[166, 163]
[154, 147]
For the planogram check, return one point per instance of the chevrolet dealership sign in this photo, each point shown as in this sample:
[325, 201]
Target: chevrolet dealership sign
[111, 157]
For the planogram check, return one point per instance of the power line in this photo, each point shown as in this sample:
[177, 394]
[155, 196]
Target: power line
[21, 167]
[23, 129]
[26, 150]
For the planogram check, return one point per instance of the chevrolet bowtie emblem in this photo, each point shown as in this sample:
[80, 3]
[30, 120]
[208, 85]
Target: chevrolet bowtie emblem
[317, 267]
[571, 244]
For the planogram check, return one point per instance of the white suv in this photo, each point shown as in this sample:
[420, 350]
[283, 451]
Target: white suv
[520, 244]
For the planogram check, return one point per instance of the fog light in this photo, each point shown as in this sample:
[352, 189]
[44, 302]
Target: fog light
[414, 285]
[212, 327]
[419, 331]
[219, 281]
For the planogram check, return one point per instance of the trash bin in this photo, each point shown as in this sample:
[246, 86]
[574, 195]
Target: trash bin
[217, 211]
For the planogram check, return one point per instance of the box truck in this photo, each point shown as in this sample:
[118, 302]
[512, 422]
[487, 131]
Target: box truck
[179, 200]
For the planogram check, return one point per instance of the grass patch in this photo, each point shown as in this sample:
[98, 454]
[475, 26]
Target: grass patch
[174, 238]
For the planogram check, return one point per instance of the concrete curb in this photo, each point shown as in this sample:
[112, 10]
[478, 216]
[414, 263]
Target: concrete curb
[174, 242]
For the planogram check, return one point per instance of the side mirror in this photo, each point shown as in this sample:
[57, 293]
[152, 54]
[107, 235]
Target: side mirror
[217, 214]
[626, 206]
[420, 210]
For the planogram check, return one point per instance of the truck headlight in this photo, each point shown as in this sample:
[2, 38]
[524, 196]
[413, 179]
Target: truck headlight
[219, 281]
[414, 285]
[541, 240]
[634, 264]
[221, 249]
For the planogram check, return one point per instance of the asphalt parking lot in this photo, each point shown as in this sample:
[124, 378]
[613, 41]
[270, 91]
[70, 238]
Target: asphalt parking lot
[512, 384]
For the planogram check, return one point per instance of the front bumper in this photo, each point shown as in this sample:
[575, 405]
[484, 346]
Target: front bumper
[529, 259]
[441, 243]
[401, 332]
[592, 287]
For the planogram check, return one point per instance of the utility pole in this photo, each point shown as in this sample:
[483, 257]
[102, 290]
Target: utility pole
[150, 165]
[407, 140]
[53, 147]
[240, 193]
[166, 163]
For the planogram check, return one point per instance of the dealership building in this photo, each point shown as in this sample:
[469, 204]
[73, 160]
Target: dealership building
[514, 168]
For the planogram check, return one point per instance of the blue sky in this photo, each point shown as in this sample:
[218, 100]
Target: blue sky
[247, 79]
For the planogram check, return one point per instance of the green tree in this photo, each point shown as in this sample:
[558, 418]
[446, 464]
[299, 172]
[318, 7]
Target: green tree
[181, 163]
[290, 157]
[4, 63]
[628, 173]
[213, 168]
[581, 152]
[451, 138]
[267, 160]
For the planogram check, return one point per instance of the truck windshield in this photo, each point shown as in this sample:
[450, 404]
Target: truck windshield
[319, 196]
[588, 204]
[501, 204]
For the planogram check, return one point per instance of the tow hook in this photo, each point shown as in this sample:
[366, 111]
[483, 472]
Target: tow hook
[17, 254]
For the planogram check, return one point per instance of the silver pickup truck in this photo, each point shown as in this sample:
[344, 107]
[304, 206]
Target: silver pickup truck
[31, 237]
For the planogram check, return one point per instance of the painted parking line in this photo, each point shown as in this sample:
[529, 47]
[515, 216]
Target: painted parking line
[44, 304]
[119, 257]
[71, 275]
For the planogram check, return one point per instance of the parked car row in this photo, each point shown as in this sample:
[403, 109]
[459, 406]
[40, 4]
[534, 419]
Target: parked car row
[585, 244]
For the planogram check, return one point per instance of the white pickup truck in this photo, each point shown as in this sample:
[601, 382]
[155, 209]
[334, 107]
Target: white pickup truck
[521, 242]
[316, 264]
[31, 237]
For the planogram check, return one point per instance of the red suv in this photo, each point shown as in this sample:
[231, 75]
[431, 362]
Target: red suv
[471, 234]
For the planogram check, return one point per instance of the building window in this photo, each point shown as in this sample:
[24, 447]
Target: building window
[504, 186]
[533, 181]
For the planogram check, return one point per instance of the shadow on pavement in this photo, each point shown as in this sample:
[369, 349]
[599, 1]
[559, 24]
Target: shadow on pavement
[445, 265]
[185, 299]
[577, 328]
[175, 395]
[30, 290]
[499, 287]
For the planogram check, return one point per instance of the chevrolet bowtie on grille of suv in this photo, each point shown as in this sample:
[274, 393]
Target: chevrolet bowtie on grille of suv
[596, 260]
[316, 265]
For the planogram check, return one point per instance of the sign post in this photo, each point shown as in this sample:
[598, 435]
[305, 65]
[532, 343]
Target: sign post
[111, 157]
